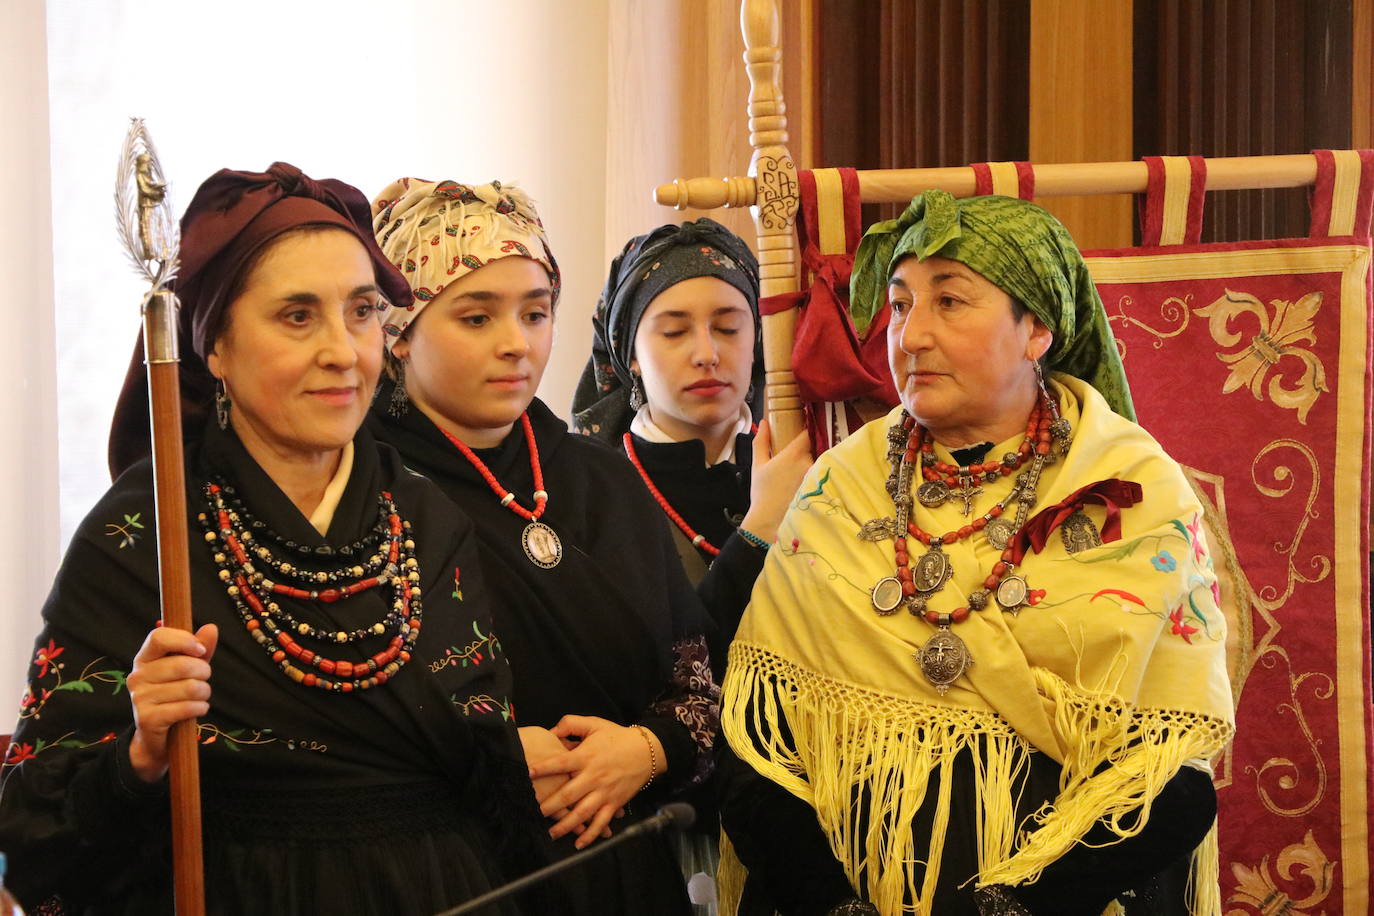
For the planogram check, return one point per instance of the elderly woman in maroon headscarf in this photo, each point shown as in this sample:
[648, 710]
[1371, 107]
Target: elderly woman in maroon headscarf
[358, 753]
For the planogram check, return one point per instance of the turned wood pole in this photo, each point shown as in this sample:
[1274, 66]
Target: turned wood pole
[774, 210]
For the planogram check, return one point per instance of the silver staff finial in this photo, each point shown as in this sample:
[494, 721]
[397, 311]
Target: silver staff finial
[143, 209]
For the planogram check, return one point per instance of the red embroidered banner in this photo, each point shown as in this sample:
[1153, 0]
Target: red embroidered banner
[1249, 362]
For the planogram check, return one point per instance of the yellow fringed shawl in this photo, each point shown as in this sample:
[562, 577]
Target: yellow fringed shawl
[1118, 673]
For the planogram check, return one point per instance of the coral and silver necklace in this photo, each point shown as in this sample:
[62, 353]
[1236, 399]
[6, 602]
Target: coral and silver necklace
[944, 657]
[540, 542]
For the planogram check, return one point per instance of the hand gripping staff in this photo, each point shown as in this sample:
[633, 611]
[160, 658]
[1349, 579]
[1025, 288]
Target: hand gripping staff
[151, 238]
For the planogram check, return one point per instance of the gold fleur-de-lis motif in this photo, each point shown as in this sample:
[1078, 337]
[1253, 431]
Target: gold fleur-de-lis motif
[1299, 880]
[1282, 336]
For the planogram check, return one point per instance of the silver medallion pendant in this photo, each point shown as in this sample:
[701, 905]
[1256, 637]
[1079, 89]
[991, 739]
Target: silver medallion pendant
[943, 659]
[1079, 533]
[1012, 593]
[932, 493]
[932, 571]
[887, 596]
[999, 532]
[541, 545]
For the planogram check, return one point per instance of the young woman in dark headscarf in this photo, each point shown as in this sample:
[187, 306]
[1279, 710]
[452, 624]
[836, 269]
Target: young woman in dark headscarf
[676, 360]
[351, 762]
[605, 634]
[675, 374]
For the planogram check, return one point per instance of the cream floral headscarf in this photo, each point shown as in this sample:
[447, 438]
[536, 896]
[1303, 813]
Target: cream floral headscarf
[437, 231]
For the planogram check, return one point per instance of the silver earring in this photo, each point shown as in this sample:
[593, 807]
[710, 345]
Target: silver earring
[399, 405]
[636, 392]
[222, 404]
[1039, 377]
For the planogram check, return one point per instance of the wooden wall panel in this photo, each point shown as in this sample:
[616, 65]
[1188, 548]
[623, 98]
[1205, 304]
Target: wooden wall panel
[1362, 75]
[677, 92]
[1081, 106]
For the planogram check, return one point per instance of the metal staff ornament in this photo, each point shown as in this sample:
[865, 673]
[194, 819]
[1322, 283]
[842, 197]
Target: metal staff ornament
[148, 231]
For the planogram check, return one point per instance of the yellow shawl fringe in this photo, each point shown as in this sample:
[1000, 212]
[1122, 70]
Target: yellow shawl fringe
[849, 742]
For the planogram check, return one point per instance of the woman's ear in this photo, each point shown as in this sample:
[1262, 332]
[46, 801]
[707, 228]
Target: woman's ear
[401, 348]
[634, 367]
[1041, 338]
[212, 362]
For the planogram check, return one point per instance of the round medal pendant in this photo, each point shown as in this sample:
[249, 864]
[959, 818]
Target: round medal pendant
[887, 595]
[932, 493]
[943, 659]
[541, 545]
[931, 571]
[1012, 592]
[999, 532]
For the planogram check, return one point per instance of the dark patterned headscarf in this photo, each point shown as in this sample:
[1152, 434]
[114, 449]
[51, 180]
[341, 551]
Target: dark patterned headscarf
[647, 266]
[1026, 253]
[232, 218]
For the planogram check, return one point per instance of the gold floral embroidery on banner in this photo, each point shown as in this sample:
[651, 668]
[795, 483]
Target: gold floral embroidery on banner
[1283, 482]
[1277, 338]
[1282, 775]
[1174, 310]
[1300, 879]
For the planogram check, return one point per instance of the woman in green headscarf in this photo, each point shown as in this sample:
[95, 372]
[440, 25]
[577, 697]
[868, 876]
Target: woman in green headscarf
[986, 669]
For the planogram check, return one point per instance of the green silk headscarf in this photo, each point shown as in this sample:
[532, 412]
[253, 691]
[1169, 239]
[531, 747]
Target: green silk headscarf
[1019, 247]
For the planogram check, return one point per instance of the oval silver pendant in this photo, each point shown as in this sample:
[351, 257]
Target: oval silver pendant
[541, 545]
[932, 493]
[943, 659]
[887, 595]
[931, 571]
[999, 532]
[1012, 592]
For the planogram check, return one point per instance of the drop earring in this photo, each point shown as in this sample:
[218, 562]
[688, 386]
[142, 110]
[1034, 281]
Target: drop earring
[399, 405]
[636, 392]
[222, 404]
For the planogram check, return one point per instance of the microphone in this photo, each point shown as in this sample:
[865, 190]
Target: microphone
[673, 816]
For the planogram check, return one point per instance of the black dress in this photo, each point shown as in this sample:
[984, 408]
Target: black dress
[410, 797]
[614, 630]
[713, 501]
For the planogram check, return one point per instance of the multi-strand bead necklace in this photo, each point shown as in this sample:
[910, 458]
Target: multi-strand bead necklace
[388, 553]
[944, 657]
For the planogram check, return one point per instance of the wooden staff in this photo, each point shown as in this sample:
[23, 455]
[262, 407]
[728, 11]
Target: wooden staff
[144, 211]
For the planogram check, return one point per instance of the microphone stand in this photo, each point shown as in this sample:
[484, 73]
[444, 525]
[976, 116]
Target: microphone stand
[676, 816]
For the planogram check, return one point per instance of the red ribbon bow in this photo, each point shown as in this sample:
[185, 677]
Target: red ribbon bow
[1113, 493]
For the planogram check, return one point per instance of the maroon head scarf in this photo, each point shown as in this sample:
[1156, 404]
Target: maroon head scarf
[232, 218]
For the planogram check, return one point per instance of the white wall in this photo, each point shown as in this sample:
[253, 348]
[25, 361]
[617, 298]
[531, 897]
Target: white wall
[351, 89]
[28, 421]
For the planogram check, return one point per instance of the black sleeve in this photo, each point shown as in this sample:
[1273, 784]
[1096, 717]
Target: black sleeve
[725, 591]
[1097, 870]
[778, 839]
[75, 821]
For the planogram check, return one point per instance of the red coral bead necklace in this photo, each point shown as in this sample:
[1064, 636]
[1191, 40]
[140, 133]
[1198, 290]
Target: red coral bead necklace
[541, 543]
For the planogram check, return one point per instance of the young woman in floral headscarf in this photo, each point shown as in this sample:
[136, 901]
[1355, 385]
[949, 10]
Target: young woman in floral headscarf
[604, 633]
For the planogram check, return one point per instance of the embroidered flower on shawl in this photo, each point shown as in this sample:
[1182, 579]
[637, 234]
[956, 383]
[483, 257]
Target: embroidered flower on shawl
[19, 753]
[47, 656]
[1194, 529]
[1179, 627]
[1164, 561]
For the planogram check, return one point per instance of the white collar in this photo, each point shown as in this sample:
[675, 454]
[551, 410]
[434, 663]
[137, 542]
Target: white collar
[645, 428]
